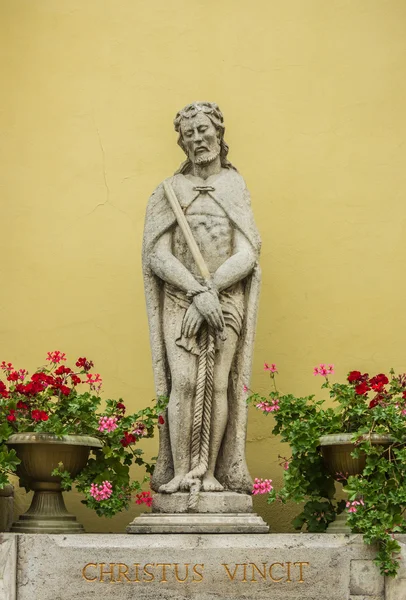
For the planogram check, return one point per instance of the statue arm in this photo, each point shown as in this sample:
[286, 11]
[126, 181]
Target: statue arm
[238, 266]
[169, 268]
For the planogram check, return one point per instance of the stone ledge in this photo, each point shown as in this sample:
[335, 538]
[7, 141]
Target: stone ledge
[198, 567]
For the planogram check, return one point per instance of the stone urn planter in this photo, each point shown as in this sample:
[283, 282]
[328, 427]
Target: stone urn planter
[40, 454]
[336, 450]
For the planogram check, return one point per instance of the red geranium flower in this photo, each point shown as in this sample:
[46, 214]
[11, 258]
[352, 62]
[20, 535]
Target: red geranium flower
[22, 405]
[381, 378]
[362, 388]
[36, 415]
[75, 379]
[84, 363]
[128, 439]
[354, 376]
[6, 366]
[62, 370]
[144, 498]
[56, 357]
[13, 376]
[39, 415]
[161, 420]
[3, 390]
[11, 417]
[32, 388]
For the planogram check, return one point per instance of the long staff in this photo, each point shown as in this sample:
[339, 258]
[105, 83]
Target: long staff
[187, 232]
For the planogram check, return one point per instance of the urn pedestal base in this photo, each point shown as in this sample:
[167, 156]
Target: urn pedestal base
[47, 514]
[339, 525]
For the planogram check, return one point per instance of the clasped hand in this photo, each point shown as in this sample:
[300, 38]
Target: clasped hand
[205, 306]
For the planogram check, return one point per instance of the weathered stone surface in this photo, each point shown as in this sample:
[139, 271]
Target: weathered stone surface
[6, 507]
[395, 589]
[221, 502]
[231, 567]
[365, 578]
[198, 523]
[8, 566]
[200, 262]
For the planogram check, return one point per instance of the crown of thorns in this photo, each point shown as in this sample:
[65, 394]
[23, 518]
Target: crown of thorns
[191, 110]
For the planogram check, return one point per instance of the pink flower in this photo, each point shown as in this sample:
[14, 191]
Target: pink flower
[144, 498]
[262, 486]
[352, 506]
[107, 424]
[245, 389]
[273, 368]
[102, 491]
[56, 357]
[140, 429]
[286, 465]
[267, 407]
[323, 370]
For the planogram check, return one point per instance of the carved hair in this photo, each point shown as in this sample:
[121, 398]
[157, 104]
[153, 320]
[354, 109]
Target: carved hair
[212, 111]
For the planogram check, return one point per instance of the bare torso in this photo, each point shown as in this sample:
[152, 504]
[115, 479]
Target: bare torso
[212, 231]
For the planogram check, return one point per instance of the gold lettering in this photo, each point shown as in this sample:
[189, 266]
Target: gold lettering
[163, 565]
[270, 572]
[301, 580]
[151, 575]
[288, 580]
[244, 580]
[84, 571]
[136, 580]
[176, 565]
[109, 572]
[231, 577]
[122, 572]
[263, 574]
[196, 572]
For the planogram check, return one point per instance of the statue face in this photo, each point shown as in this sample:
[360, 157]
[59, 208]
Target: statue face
[200, 138]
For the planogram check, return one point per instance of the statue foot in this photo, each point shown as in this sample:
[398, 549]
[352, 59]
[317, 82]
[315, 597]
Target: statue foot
[210, 484]
[172, 486]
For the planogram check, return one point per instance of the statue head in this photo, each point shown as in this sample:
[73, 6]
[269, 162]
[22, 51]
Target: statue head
[207, 118]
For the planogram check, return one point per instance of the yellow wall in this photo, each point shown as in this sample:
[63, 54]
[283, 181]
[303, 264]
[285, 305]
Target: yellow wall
[314, 96]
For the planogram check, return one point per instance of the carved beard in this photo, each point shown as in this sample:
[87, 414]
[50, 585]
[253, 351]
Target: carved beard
[207, 158]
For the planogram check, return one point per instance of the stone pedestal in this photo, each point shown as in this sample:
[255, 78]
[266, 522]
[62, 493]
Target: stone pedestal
[198, 523]
[194, 567]
[219, 512]
[6, 507]
[340, 524]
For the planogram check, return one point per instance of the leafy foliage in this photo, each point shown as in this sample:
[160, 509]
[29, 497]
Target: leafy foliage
[376, 497]
[50, 402]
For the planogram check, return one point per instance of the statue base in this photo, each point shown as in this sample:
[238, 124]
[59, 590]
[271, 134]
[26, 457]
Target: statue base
[208, 502]
[216, 512]
[198, 523]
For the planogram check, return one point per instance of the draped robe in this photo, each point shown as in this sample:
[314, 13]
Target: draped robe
[231, 194]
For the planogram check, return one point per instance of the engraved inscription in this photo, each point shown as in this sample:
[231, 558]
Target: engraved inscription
[250, 572]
